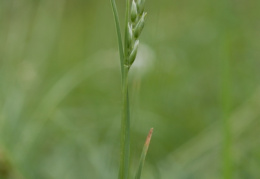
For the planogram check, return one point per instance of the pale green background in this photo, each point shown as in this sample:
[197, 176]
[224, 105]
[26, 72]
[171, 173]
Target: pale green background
[60, 94]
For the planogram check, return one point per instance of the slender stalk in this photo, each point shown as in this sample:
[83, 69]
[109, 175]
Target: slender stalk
[127, 57]
[125, 122]
[125, 130]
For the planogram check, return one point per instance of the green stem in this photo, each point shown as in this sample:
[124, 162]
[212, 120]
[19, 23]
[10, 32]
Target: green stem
[125, 123]
[125, 130]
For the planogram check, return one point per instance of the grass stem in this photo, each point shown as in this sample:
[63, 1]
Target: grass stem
[125, 130]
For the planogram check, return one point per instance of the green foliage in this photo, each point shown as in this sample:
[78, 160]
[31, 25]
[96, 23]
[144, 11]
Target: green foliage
[60, 89]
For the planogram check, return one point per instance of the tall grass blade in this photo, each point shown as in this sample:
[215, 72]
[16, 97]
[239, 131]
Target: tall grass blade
[126, 30]
[144, 152]
[119, 38]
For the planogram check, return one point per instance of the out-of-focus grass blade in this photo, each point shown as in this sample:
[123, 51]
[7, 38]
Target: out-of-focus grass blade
[144, 152]
[119, 38]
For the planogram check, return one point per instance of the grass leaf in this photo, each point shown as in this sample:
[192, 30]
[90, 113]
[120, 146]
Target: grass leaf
[126, 29]
[119, 38]
[144, 152]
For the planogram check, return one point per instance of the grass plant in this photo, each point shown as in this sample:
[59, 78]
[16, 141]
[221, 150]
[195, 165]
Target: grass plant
[134, 23]
[59, 106]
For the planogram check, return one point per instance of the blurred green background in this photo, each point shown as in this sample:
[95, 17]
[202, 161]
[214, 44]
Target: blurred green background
[196, 81]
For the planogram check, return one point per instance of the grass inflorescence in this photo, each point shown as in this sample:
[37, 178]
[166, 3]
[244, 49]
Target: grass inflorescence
[134, 24]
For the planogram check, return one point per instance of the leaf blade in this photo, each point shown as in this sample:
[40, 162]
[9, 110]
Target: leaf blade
[119, 38]
[144, 152]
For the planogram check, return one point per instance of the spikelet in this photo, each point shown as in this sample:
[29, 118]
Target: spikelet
[140, 6]
[133, 12]
[130, 35]
[133, 53]
[139, 26]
